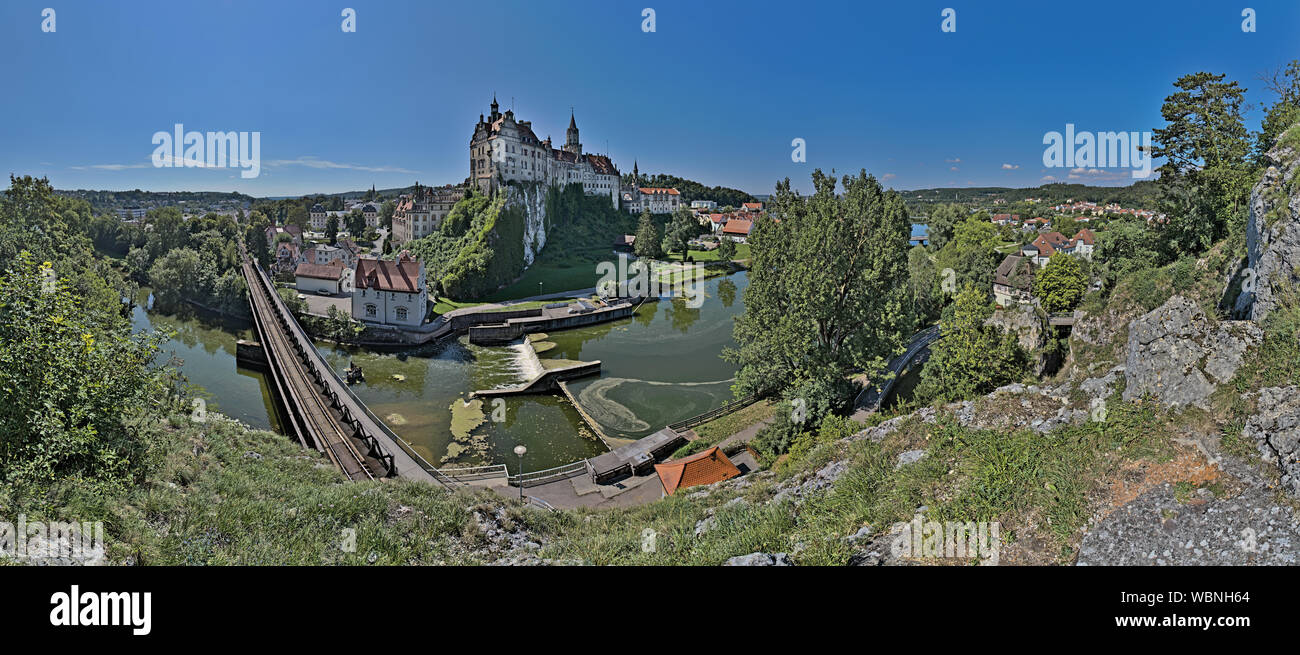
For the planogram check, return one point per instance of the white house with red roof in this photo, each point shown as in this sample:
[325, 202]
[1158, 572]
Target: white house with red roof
[1083, 243]
[737, 229]
[390, 292]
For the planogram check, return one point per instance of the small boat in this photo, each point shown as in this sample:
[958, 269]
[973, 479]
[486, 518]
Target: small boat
[354, 374]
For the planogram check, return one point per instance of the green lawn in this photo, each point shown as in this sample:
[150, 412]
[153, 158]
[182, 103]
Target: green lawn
[742, 252]
[575, 269]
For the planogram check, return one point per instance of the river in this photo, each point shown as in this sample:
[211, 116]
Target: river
[660, 366]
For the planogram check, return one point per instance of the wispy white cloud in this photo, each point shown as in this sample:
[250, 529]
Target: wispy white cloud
[1010, 167]
[313, 162]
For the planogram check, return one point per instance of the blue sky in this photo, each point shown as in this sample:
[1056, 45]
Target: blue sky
[716, 93]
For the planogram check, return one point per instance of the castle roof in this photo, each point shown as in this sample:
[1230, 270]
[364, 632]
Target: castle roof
[602, 165]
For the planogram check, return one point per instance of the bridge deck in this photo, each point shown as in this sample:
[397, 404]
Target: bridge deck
[322, 412]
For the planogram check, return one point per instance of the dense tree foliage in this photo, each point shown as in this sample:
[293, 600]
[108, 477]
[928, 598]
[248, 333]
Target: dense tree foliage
[1206, 178]
[827, 296]
[971, 254]
[681, 228]
[1061, 284]
[942, 222]
[692, 190]
[72, 377]
[647, 242]
[972, 358]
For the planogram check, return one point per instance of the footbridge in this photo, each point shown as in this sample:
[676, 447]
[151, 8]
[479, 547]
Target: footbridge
[869, 399]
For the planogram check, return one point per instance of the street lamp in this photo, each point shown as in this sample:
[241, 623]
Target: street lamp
[539, 288]
[520, 450]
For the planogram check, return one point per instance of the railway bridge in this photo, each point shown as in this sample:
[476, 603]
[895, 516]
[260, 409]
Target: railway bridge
[321, 411]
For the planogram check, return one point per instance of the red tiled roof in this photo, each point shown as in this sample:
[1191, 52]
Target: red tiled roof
[332, 272]
[402, 275]
[1050, 242]
[740, 226]
[660, 190]
[752, 205]
[707, 467]
[718, 218]
[1086, 236]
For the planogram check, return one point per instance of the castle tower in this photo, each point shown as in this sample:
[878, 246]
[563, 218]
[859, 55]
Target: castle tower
[495, 114]
[636, 175]
[571, 143]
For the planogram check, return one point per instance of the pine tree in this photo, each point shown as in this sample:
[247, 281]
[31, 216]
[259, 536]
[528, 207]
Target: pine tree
[647, 237]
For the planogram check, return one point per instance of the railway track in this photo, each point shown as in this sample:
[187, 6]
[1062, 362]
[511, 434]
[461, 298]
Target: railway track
[314, 421]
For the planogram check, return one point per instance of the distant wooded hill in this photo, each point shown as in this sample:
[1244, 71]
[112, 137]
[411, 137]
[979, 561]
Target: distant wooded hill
[1139, 194]
[114, 200]
[692, 190]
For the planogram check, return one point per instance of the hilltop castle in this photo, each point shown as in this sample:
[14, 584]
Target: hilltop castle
[504, 149]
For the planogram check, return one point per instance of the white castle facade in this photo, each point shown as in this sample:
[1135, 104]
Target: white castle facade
[504, 149]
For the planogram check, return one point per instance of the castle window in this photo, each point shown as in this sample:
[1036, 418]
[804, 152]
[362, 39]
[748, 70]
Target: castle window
[371, 310]
[401, 313]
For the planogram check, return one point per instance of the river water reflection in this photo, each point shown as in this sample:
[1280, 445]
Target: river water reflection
[660, 366]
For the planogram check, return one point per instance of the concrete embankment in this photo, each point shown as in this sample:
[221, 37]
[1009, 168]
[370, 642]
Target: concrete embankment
[544, 320]
[545, 382]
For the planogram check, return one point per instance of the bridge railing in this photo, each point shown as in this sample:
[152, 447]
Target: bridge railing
[713, 413]
[563, 472]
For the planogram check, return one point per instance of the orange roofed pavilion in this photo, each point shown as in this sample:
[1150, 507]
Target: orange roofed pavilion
[701, 468]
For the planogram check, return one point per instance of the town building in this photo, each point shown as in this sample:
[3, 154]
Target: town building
[504, 149]
[658, 200]
[371, 212]
[703, 204]
[422, 211]
[390, 292]
[318, 216]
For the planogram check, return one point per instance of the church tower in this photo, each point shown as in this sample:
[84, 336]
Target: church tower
[571, 143]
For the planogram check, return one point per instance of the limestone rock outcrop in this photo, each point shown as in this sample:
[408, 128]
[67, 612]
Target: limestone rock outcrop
[1179, 356]
[1276, 431]
[1273, 232]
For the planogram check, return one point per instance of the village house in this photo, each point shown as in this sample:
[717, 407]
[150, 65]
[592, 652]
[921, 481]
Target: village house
[752, 207]
[1046, 245]
[371, 212]
[1083, 243]
[716, 221]
[390, 292]
[322, 254]
[703, 204]
[737, 229]
[1013, 281]
[274, 232]
[286, 256]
